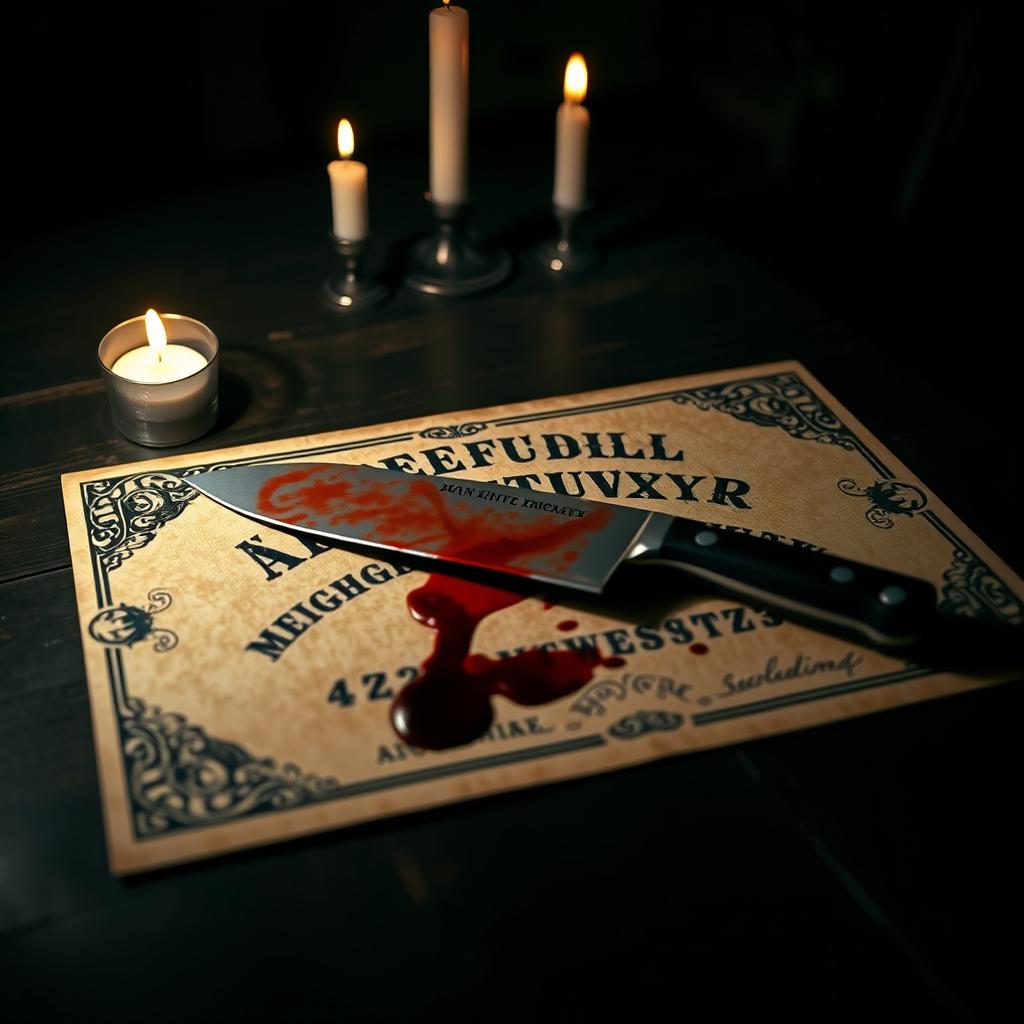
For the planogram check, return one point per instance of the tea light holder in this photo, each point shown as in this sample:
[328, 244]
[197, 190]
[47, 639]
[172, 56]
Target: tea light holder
[567, 253]
[171, 412]
[352, 290]
[449, 262]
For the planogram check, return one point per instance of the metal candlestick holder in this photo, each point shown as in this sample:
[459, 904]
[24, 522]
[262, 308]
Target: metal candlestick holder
[449, 262]
[352, 290]
[567, 253]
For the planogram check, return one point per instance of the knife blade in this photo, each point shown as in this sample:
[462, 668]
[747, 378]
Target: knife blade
[573, 542]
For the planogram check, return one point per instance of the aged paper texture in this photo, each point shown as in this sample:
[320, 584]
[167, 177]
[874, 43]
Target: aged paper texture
[226, 718]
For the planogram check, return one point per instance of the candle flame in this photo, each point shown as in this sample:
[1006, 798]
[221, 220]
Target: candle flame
[575, 79]
[155, 333]
[346, 138]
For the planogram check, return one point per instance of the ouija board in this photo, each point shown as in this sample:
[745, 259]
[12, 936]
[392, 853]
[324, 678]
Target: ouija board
[241, 678]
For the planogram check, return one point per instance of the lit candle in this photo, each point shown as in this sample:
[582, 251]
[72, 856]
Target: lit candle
[348, 189]
[449, 102]
[158, 362]
[160, 375]
[572, 125]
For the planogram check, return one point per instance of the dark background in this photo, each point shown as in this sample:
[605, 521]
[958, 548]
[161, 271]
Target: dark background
[842, 143]
[173, 155]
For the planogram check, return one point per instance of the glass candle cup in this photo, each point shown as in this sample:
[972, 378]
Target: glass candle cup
[171, 412]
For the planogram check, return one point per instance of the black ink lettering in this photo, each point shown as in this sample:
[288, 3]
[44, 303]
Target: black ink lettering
[644, 485]
[328, 603]
[593, 442]
[561, 446]
[609, 490]
[442, 459]
[707, 620]
[558, 486]
[521, 481]
[402, 463]
[685, 485]
[738, 617]
[658, 450]
[266, 558]
[728, 489]
[650, 639]
[270, 645]
[477, 453]
[509, 444]
[350, 586]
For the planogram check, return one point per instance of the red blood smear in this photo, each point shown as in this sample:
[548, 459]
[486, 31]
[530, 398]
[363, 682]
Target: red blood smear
[568, 625]
[449, 703]
[698, 648]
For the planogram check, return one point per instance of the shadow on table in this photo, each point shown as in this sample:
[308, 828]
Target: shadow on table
[234, 398]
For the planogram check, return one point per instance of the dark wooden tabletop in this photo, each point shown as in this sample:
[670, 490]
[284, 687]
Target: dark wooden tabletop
[868, 867]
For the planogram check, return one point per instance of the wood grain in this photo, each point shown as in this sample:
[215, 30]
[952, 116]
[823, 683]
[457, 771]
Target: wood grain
[847, 868]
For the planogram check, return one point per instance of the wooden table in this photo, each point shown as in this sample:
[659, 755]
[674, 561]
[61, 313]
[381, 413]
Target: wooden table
[869, 867]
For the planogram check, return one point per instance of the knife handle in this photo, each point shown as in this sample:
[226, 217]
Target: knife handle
[840, 595]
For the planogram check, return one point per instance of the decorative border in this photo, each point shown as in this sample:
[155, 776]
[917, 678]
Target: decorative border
[887, 498]
[179, 777]
[782, 400]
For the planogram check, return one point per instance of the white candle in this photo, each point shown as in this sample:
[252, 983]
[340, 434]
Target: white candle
[572, 125]
[449, 103]
[158, 362]
[348, 189]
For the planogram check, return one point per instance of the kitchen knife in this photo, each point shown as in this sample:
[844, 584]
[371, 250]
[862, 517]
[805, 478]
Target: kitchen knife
[572, 542]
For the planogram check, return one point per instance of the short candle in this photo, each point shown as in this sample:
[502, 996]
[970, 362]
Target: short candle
[349, 202]
[158, 362]
[160, 375]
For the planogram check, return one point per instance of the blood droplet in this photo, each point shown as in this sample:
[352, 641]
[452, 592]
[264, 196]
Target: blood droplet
[449, 703]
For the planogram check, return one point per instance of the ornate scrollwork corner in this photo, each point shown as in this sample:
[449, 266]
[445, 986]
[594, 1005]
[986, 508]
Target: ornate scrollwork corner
[782, 400]
[180, 777]
[125, 514]
[887, 498]
[971, 588]
[126, 625]
[453, 430]
[640, 723]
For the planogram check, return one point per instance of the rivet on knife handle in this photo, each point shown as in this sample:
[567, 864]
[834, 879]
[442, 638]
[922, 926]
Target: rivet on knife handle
[883, 607]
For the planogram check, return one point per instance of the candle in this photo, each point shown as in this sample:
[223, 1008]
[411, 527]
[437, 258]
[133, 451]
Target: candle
[160, 375]
[348, 189]
[449, 102]
[572, 125]
[158, 362]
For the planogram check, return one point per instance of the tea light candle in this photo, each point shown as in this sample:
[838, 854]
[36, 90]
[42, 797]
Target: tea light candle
[158, 362]
[160, 375]
[572, 126]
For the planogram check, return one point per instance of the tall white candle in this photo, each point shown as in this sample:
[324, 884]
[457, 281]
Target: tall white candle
[572, 126]
[449, 103]
[349, 200]
[158, 362]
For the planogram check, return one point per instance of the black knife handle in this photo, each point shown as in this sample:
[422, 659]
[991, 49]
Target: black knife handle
[837, 594]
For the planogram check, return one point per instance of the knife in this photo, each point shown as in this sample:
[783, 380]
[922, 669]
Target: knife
[572, 542]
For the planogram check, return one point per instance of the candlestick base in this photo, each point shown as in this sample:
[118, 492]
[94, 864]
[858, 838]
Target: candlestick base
[450, 262]
[351, 290]
[567, 254]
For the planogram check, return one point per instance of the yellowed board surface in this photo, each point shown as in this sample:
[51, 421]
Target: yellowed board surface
[208, 739]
